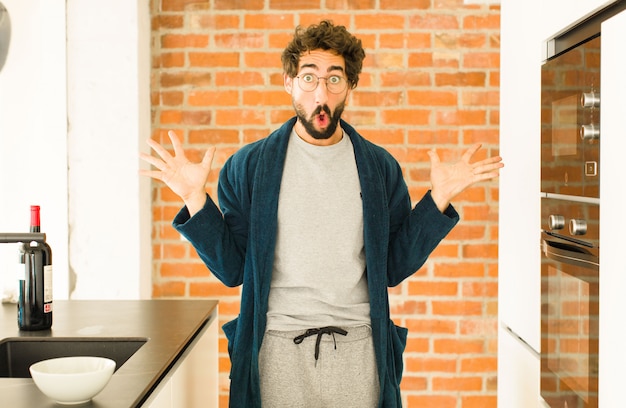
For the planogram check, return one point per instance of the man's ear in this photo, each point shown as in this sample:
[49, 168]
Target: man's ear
[288, 82]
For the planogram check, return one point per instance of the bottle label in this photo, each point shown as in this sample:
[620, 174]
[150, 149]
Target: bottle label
[47, 288]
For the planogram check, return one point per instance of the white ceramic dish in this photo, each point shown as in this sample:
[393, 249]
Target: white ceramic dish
[72, 380]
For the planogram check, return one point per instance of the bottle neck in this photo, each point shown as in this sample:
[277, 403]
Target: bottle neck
[35, 221]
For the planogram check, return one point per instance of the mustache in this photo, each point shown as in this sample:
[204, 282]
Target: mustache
[319, 110]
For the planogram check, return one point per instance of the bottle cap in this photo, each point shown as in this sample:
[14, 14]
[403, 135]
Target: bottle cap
[34, 216]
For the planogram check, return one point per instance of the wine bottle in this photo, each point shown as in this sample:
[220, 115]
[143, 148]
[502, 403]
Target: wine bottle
[35, 290]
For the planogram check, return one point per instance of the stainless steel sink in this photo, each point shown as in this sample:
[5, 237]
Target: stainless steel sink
[18, 353]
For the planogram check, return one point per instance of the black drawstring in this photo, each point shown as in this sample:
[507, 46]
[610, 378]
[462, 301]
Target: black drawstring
[331, 330]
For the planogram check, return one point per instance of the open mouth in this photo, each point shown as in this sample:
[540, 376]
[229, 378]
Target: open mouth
[322, 119]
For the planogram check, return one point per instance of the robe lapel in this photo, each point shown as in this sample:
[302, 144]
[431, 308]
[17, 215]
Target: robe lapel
[264, 214]
[375, 218]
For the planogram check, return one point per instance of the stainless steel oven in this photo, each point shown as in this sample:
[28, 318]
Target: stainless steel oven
[570, 213]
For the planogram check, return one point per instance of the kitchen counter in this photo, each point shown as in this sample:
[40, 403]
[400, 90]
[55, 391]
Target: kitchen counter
[169, 326]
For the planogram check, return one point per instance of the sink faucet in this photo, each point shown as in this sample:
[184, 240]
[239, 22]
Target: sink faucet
[17, 237]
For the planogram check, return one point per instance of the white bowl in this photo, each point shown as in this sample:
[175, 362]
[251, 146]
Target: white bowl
[72, 380]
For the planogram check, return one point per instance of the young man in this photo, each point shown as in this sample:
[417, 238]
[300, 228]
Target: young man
[316, 223]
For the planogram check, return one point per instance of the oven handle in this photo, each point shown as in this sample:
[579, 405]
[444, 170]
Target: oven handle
[570, 254]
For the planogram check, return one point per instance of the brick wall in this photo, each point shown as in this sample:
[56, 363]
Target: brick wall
[430, 78]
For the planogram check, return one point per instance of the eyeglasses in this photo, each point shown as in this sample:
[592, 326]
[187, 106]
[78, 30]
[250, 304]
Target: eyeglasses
[334, 83]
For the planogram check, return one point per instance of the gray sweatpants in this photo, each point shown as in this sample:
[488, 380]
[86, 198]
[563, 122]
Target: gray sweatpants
[344, 375]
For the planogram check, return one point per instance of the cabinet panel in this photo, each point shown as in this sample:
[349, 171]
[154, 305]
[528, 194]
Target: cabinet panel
[193, 381]
[612, 219]
[518, 373]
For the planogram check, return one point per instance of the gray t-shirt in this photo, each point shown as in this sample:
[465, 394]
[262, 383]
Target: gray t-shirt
[319, 269]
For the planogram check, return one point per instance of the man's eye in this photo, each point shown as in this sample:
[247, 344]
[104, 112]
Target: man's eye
[308, 78]
[334, 79]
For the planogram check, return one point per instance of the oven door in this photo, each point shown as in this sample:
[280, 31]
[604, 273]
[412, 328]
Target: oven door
[569, 322]
[570, 121]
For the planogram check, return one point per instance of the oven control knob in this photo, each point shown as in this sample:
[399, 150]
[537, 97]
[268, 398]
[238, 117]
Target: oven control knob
[577, 227]
[590, 100]
[556, 222]
[589, 132]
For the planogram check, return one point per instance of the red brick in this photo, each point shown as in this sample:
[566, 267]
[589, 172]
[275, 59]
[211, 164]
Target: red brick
[167, 22]
[434, 21]
[213, 21]
[430, 364]
[491, 21]
[404, 4]
[378, 21]
[432, 401]
[432, 98]
[213, 98]
[176, 5]
[431, 326]
[240, 40]
[293, 4]
[405, 40]
[214, 59]
[458, 346]
[456, 308]
[406, 117]
[172, 59]
[213, 136]
[457, 384]
[266, 98]
[478, 401]
[433, 288]
[351, 4]
[238, 79]
[168, 289]
[178, 269]
[248, 5]
[478, 364]
[184, 41]
[474, 78]
[235, 117]
[269, 21]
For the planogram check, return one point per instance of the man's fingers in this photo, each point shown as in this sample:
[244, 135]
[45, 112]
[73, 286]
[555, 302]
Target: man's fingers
[434, 157]
[152, 173]
[178, 146]
[153, 161]
[165, 155]
[208, 157]
[467, 156]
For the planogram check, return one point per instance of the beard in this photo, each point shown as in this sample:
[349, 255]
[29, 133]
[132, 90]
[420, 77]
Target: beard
[309, 124]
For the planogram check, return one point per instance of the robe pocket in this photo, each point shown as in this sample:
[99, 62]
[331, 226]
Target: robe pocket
[397, 340]
[230, 331]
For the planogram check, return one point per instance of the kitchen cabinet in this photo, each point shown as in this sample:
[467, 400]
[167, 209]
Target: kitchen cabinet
[519, 299]
[519, 290]
[521, 369]
[612, 220]
[187, 382]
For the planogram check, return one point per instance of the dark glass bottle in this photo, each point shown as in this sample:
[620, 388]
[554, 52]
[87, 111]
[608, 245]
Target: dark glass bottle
[35, 297]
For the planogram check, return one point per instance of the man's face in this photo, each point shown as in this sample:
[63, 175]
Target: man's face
[318, 110]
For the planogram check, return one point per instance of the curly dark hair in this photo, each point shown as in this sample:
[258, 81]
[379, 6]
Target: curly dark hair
[325, 36]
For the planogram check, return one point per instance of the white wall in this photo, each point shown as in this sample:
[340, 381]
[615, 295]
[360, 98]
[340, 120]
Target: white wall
[33, 162]
[108, 54]
[74, 132]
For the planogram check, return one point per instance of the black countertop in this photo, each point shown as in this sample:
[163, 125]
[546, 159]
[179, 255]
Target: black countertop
[168, 325]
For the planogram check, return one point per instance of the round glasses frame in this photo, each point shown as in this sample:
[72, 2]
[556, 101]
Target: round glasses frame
[334, 83]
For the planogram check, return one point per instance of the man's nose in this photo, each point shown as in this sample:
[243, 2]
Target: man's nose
[321, 92]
